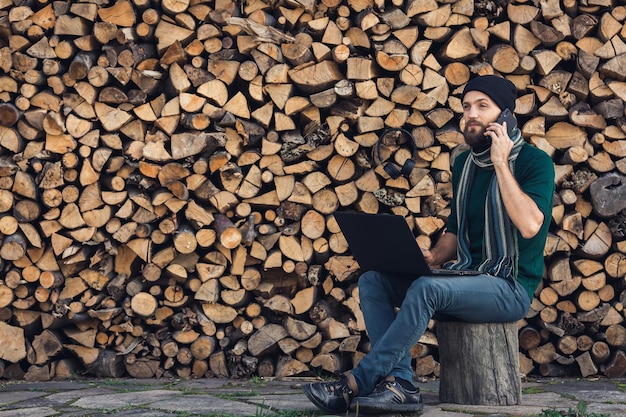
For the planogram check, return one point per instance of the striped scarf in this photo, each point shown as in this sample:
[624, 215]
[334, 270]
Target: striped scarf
[500, 238]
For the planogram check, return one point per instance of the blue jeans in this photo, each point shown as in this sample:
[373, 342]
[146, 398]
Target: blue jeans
[479, 298]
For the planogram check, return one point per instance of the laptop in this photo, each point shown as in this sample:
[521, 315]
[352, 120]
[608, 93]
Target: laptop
[384, 242]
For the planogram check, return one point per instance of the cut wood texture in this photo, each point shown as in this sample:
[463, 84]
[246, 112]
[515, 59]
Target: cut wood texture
[169, 173]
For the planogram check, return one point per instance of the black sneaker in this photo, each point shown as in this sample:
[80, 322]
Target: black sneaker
[389, 397]
[333, 397]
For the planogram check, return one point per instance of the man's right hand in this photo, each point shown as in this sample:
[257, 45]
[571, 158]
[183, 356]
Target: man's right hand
[428, 255]
[443, 251]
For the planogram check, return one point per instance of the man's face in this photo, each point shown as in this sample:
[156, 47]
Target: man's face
[478, 111]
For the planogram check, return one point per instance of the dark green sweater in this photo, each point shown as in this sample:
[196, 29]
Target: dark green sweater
[534, 172]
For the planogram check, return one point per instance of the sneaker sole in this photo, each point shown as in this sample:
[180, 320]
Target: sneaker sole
[387, 408]
[318, 404]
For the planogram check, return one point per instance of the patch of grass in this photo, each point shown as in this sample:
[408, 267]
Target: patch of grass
[580, 411]
[220, 415]
[213, 415]
[189, 391]
[320, 373]
[258, 380]
[568, 396]
[259, 413]
[284, 413]
[235, 395]
[533, 390]
[262, 411]
[115, 382]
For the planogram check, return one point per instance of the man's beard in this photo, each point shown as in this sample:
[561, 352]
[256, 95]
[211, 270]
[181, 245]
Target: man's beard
[476, 138]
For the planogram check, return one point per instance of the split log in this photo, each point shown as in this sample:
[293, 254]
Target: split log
[607, 194]
[99, 362]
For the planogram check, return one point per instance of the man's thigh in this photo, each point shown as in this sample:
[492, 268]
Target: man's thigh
[481, 298]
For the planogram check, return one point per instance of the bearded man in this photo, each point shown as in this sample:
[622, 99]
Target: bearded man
[500, 214]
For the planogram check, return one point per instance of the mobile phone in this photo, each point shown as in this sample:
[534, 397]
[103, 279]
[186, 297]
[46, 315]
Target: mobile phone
[508, 117]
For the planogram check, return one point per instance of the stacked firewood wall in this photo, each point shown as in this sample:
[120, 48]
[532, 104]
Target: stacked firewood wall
[169, 172]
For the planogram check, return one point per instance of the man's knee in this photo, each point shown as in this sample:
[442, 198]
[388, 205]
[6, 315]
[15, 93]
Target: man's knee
[423, 284]
[367, 279]
[371, 282]
[423, 289]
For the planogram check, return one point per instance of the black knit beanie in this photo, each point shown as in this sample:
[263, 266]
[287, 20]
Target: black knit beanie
[502, 91]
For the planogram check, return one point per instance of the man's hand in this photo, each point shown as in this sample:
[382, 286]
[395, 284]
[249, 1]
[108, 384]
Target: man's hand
[428, 255]
[501, 143]
[443, 251]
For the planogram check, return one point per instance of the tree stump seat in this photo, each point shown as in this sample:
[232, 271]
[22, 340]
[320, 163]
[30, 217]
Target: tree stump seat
[479, 363]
